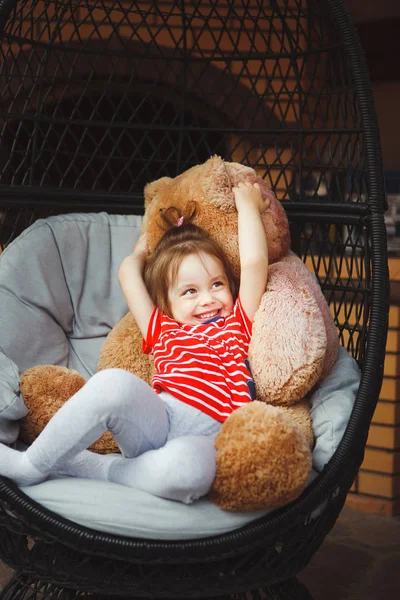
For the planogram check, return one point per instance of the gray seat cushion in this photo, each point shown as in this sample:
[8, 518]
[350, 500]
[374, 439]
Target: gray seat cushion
[59, 298]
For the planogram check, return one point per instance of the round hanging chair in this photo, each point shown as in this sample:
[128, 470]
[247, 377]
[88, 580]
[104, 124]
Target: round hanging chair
[100, 97]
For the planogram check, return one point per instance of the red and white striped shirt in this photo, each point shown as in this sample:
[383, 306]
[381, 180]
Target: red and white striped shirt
[203, 365]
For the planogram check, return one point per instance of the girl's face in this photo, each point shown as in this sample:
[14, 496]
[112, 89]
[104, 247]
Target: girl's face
[201, 290]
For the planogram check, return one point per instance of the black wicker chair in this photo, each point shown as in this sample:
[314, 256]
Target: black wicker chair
[100, 96]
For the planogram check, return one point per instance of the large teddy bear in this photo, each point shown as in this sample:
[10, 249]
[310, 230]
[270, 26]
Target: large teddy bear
[264, 448]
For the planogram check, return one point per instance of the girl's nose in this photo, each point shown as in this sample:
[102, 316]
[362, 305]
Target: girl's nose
[206, 297]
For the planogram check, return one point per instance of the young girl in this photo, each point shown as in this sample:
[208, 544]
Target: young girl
[185, 303]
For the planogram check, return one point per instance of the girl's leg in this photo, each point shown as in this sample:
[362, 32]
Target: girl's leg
[183, 469]
[112, 400]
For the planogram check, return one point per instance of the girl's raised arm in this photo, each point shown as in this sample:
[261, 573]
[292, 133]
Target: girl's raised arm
[130, 277]
[253, 247]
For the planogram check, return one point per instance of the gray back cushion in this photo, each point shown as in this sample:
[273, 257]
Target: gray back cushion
[59, 292]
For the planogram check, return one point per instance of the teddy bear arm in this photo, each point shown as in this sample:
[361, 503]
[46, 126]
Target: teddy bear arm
[332, 339]
[288, 344]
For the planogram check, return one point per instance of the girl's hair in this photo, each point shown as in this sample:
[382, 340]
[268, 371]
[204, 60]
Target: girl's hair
[178, 242]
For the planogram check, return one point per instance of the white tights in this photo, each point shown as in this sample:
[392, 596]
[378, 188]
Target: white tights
[177, 468]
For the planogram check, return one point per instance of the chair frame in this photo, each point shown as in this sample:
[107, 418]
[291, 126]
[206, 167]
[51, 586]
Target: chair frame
[50, 553]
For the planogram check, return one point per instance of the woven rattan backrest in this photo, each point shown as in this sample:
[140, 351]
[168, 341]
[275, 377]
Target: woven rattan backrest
[99, 97]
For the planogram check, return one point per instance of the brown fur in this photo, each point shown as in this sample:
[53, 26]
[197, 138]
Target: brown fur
[267, 451]
[264, 456]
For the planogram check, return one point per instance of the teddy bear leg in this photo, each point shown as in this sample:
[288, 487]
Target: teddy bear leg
[263, 459]
[300, 412]
[45, 388]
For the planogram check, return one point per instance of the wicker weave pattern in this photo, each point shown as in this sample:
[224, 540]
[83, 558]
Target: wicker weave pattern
[101, 96]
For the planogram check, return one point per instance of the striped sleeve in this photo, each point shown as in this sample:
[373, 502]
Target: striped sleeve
[153, 332]
[243, 318]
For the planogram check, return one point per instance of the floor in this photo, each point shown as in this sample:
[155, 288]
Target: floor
[359, 560]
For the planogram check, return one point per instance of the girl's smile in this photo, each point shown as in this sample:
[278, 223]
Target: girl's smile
[201, 291]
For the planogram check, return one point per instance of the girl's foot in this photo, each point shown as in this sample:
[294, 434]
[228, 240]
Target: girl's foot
[16, 466]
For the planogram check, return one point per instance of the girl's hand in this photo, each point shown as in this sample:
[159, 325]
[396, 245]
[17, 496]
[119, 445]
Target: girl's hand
[141, 248]
[248, 194]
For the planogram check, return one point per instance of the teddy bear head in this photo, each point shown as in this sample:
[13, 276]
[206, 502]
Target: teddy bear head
[203, 194]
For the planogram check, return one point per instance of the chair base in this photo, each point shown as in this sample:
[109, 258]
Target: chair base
[26, 587]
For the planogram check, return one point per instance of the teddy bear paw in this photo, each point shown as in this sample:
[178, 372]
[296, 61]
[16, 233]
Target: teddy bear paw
[263, 459]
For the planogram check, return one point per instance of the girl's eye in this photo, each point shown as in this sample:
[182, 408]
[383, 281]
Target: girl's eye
[189, 292]
[217, 284]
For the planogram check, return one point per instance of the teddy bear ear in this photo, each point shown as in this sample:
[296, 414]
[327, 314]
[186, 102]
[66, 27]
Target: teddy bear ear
[217, 185]
[153, 188]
